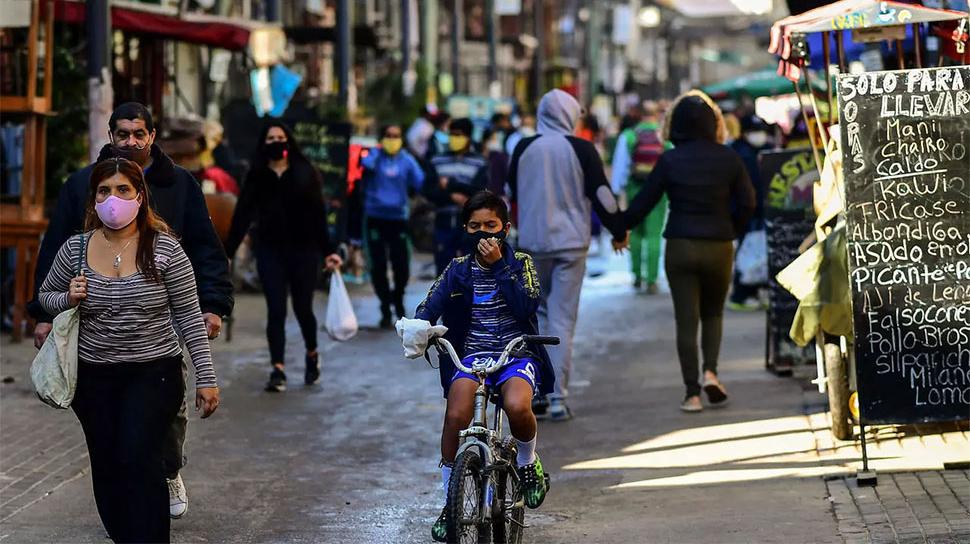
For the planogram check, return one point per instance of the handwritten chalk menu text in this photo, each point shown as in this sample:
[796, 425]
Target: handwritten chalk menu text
[905, 140]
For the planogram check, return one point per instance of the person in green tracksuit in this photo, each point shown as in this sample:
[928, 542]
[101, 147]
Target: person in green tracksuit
[631, 164]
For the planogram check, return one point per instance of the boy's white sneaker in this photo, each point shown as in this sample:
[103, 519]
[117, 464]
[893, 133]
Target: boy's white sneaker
[178, 499]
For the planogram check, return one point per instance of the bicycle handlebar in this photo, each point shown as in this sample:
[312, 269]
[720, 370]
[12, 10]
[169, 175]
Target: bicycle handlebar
[539, 339]
[445, 346]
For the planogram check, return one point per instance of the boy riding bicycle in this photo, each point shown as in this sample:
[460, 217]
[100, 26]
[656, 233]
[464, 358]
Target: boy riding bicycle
[486, 299]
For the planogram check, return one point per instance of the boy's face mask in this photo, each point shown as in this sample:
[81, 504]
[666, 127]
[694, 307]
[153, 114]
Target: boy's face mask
[392, 145]
[470, 240]
[457, 143]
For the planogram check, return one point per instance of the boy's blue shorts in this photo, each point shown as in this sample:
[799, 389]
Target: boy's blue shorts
[524, 367]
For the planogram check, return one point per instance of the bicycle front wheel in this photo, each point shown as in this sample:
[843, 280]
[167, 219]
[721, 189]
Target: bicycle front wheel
[508, 518]
[465, 515]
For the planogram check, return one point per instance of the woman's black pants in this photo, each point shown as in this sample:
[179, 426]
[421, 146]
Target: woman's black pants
[699, 273]
[126, 410]
[293, 270]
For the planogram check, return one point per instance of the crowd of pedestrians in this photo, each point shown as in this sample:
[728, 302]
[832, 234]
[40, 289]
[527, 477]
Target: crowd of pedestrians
[517, 206]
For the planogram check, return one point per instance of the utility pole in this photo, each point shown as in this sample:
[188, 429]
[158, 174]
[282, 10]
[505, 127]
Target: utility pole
[100, 92]
[538, 62]
[272, 10]
[407, 72]
[343, 52]
[594, 34]
[429, 46]
[457, 28]
[491, 22]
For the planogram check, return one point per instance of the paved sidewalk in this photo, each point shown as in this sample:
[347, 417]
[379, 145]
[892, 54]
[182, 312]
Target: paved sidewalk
[927, 506]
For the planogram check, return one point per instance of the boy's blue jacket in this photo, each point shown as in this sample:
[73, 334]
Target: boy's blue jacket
[450, 299]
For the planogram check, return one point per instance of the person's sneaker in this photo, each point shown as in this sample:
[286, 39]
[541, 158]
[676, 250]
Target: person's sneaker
[558, 411]
[652, 289]
[637, 283]
[692, 404]
[439, 531]
[312, 373]
[540, 407]
[534, 483]
[178, 499]
[277, 381]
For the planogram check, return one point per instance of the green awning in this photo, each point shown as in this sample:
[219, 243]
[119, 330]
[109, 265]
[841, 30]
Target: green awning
[757, 84]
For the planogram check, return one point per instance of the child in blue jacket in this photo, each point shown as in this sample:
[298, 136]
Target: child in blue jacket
[486, 299]
[391, 174]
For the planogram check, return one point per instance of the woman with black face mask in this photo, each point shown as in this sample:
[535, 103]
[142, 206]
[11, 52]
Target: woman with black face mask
[282, 200]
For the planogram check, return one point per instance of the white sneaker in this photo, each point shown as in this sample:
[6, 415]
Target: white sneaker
[178, 500]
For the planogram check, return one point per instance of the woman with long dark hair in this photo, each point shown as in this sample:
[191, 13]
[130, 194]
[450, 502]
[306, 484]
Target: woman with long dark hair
[283, 199]
[139, 296]
[711, 199]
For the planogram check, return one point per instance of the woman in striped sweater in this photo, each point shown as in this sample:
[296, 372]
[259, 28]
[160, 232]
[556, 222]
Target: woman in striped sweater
[138, 293]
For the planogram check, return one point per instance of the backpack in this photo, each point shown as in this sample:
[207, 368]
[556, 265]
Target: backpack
[647, 149]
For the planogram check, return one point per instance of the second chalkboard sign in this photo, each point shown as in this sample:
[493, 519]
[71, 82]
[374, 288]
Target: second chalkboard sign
[905, 138]
[789, 219]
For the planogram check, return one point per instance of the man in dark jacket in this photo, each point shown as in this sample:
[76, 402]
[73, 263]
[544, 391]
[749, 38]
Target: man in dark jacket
[175, 195]
[755, 138]
[454, 178]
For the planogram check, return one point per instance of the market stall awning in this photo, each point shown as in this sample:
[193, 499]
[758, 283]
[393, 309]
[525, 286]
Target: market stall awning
[856, 14]
[756, 84]
[153, 20]
[845, 15]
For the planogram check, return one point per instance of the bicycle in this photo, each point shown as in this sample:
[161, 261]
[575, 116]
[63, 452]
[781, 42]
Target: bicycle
[485, 463]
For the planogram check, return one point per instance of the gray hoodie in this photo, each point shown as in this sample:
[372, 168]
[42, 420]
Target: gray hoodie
[557, 180]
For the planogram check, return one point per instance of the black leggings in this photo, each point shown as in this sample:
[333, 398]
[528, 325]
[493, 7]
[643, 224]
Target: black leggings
[126, 410]
[388, 237]
[294, 270]
[699, 272]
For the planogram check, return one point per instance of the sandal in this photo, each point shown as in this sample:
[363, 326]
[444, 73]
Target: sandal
[716, 394]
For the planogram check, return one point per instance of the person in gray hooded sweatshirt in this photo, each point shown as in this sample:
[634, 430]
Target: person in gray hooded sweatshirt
[557, 180]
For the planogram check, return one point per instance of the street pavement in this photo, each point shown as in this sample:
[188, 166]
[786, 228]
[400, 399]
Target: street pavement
[355, 458]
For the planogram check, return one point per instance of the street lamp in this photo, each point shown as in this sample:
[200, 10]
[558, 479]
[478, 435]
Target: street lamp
[649, 17]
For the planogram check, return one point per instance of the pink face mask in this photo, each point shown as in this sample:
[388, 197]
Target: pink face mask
[117, 213]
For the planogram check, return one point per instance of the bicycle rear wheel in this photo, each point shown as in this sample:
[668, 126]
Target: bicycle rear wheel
[465, 515]
[508, 518]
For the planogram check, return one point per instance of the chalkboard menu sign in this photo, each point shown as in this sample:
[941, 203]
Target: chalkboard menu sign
[789, 219]
[905, 138]
[327, 146]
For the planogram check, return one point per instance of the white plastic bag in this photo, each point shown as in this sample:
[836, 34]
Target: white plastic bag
[752, 258]
[415, 334]
[341, 322]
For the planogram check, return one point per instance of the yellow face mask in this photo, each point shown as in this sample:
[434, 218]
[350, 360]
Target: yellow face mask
[391, 145]
[457, 143]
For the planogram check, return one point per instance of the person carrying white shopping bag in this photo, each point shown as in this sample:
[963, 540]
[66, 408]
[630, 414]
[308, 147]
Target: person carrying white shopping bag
[341, 322]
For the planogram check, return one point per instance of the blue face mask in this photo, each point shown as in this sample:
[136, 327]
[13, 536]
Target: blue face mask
[470, 240]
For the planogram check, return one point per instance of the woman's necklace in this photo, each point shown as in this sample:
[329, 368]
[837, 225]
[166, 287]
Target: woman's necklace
[117, 261]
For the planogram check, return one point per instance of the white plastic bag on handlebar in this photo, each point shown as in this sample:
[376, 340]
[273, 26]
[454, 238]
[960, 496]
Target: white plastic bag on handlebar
[415, 334]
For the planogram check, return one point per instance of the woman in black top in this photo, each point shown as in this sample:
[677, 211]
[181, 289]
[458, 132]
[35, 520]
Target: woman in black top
[283, 198]
[711, 199]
